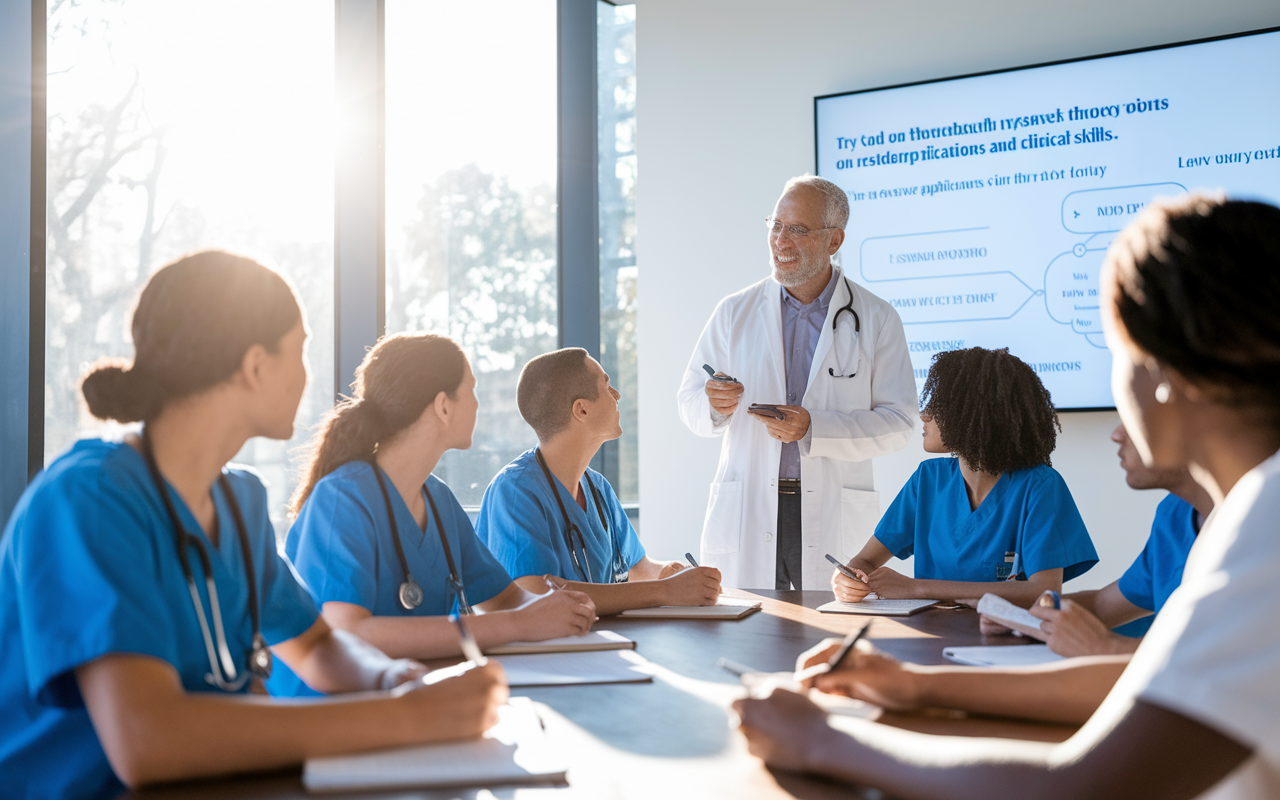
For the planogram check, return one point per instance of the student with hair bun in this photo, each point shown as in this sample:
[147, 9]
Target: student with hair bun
[1189, 296]
[383, 545]
[994, 518]
[140, 588]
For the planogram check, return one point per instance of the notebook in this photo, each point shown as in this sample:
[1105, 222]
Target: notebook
[878, 606]
[720, 610]
[575, 669]
[595, 640]
[1010, 656]
[513, 752]
[1011, 616]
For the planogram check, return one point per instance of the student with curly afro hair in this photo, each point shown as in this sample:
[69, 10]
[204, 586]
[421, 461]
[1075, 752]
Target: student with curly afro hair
[996, 518]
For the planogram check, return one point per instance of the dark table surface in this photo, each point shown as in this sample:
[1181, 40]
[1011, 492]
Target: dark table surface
[671, 737]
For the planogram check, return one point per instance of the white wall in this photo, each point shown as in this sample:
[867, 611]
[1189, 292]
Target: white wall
[725, 116]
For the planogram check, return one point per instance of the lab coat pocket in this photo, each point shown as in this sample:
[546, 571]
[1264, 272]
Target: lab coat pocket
[722, 530]
[859, 513]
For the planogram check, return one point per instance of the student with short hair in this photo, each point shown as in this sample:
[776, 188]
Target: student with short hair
[140, 587]
[1189, 297]
[994, 518]
[382, 544]
[548, 517]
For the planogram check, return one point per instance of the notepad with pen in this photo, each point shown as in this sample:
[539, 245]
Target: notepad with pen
[878, 606]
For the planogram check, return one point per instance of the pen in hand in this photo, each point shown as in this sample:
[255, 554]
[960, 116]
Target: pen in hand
[845, 571]
[689, 557]
[469, 647]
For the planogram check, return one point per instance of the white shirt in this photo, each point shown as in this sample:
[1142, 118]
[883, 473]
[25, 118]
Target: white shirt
[1213, 653]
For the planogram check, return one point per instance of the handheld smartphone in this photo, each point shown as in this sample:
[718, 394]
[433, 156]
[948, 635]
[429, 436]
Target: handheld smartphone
[765, 410]
[715, 376]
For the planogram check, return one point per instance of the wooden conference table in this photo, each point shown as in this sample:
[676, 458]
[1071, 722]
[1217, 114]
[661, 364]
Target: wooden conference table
[671, 738]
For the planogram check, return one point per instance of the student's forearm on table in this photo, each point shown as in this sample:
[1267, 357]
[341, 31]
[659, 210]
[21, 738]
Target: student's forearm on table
[1087, 599]
[333, 660]
[1022, 593]
[1068, 692]
[611, 598]
[435, 637]
[154, 731]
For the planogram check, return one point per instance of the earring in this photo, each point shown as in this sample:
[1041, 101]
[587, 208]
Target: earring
[1162, 392]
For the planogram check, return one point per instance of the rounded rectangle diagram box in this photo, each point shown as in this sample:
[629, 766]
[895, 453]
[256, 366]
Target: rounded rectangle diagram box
[1099, 210]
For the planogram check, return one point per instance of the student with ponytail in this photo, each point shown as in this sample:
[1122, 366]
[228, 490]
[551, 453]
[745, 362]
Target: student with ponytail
[140, 587]
[384, 546]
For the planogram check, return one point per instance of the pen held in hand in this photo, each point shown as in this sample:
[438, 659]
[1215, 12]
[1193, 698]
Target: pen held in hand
[846, 647]
[844, 570]
[689, 557]
[469, 647]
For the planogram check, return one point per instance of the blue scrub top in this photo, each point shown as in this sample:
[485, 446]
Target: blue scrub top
[1158, 569]
[522, 524]
[1029, 512]
[341, 546]
[88, 566]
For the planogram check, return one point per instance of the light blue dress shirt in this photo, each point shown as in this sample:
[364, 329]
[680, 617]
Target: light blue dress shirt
[801, 327]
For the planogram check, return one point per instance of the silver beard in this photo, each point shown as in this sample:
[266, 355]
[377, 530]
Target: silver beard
[803, 272]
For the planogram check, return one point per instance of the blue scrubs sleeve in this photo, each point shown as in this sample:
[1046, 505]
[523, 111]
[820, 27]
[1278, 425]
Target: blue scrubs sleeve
[482, 575]
[332, 546]
[1136, 583]
[90, 571]
[897, 528]
[1053, 532]
[516, 528]
[285, 608]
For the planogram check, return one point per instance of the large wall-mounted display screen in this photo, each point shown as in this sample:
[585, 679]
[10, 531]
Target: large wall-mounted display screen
[982, 206]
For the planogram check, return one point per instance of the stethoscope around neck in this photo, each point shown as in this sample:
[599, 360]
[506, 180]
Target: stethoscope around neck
[222, 668]
[410, 592]
[857, 336]
[583, 565]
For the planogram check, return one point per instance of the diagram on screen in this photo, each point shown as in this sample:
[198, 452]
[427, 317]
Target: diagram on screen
[951, 276]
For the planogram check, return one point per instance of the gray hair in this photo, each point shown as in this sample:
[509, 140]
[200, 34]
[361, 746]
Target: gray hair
[835, 210]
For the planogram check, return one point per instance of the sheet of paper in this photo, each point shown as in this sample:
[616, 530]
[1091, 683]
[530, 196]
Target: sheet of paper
[1011, 616]
[721, 610]
[594, 640]
[515, 751]
[878, 606]
[567, 669]
[1011, 656]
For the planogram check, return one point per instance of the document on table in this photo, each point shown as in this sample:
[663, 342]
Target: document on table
[878, 606]
[1011, 616]
[513, 752]
[721, 610]
[569, 669]
[595, 640]
[1011, 656]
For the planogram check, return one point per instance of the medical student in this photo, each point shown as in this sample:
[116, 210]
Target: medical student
[382, 544]
[1113, 619]
[994, 518]
[140, 588]
[548, 517]
[1188, 293]
[831, 357]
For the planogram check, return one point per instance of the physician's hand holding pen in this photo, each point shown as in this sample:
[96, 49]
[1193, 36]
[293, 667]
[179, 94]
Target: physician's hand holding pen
[785, 423]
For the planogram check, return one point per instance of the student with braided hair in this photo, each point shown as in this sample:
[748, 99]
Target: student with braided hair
[995, 518]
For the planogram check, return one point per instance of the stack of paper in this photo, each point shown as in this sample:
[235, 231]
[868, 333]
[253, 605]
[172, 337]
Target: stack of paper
[571, 669]
[595, 640]
[513, 752]
[721, 610]
[877, 606]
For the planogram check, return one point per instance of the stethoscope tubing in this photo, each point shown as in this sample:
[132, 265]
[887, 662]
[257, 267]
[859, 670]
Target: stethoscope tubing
[583, 568]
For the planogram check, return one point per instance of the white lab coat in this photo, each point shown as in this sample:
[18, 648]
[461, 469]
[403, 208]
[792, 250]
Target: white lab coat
[852, 421]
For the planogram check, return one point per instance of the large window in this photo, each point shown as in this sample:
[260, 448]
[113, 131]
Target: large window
[177, 125]
[616, 104]
[471, 201]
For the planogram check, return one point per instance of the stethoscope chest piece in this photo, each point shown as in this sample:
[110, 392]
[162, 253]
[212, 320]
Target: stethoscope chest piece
[410, 594]
[260, 657]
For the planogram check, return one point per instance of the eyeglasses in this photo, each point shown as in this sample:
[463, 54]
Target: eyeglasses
[775, 227]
